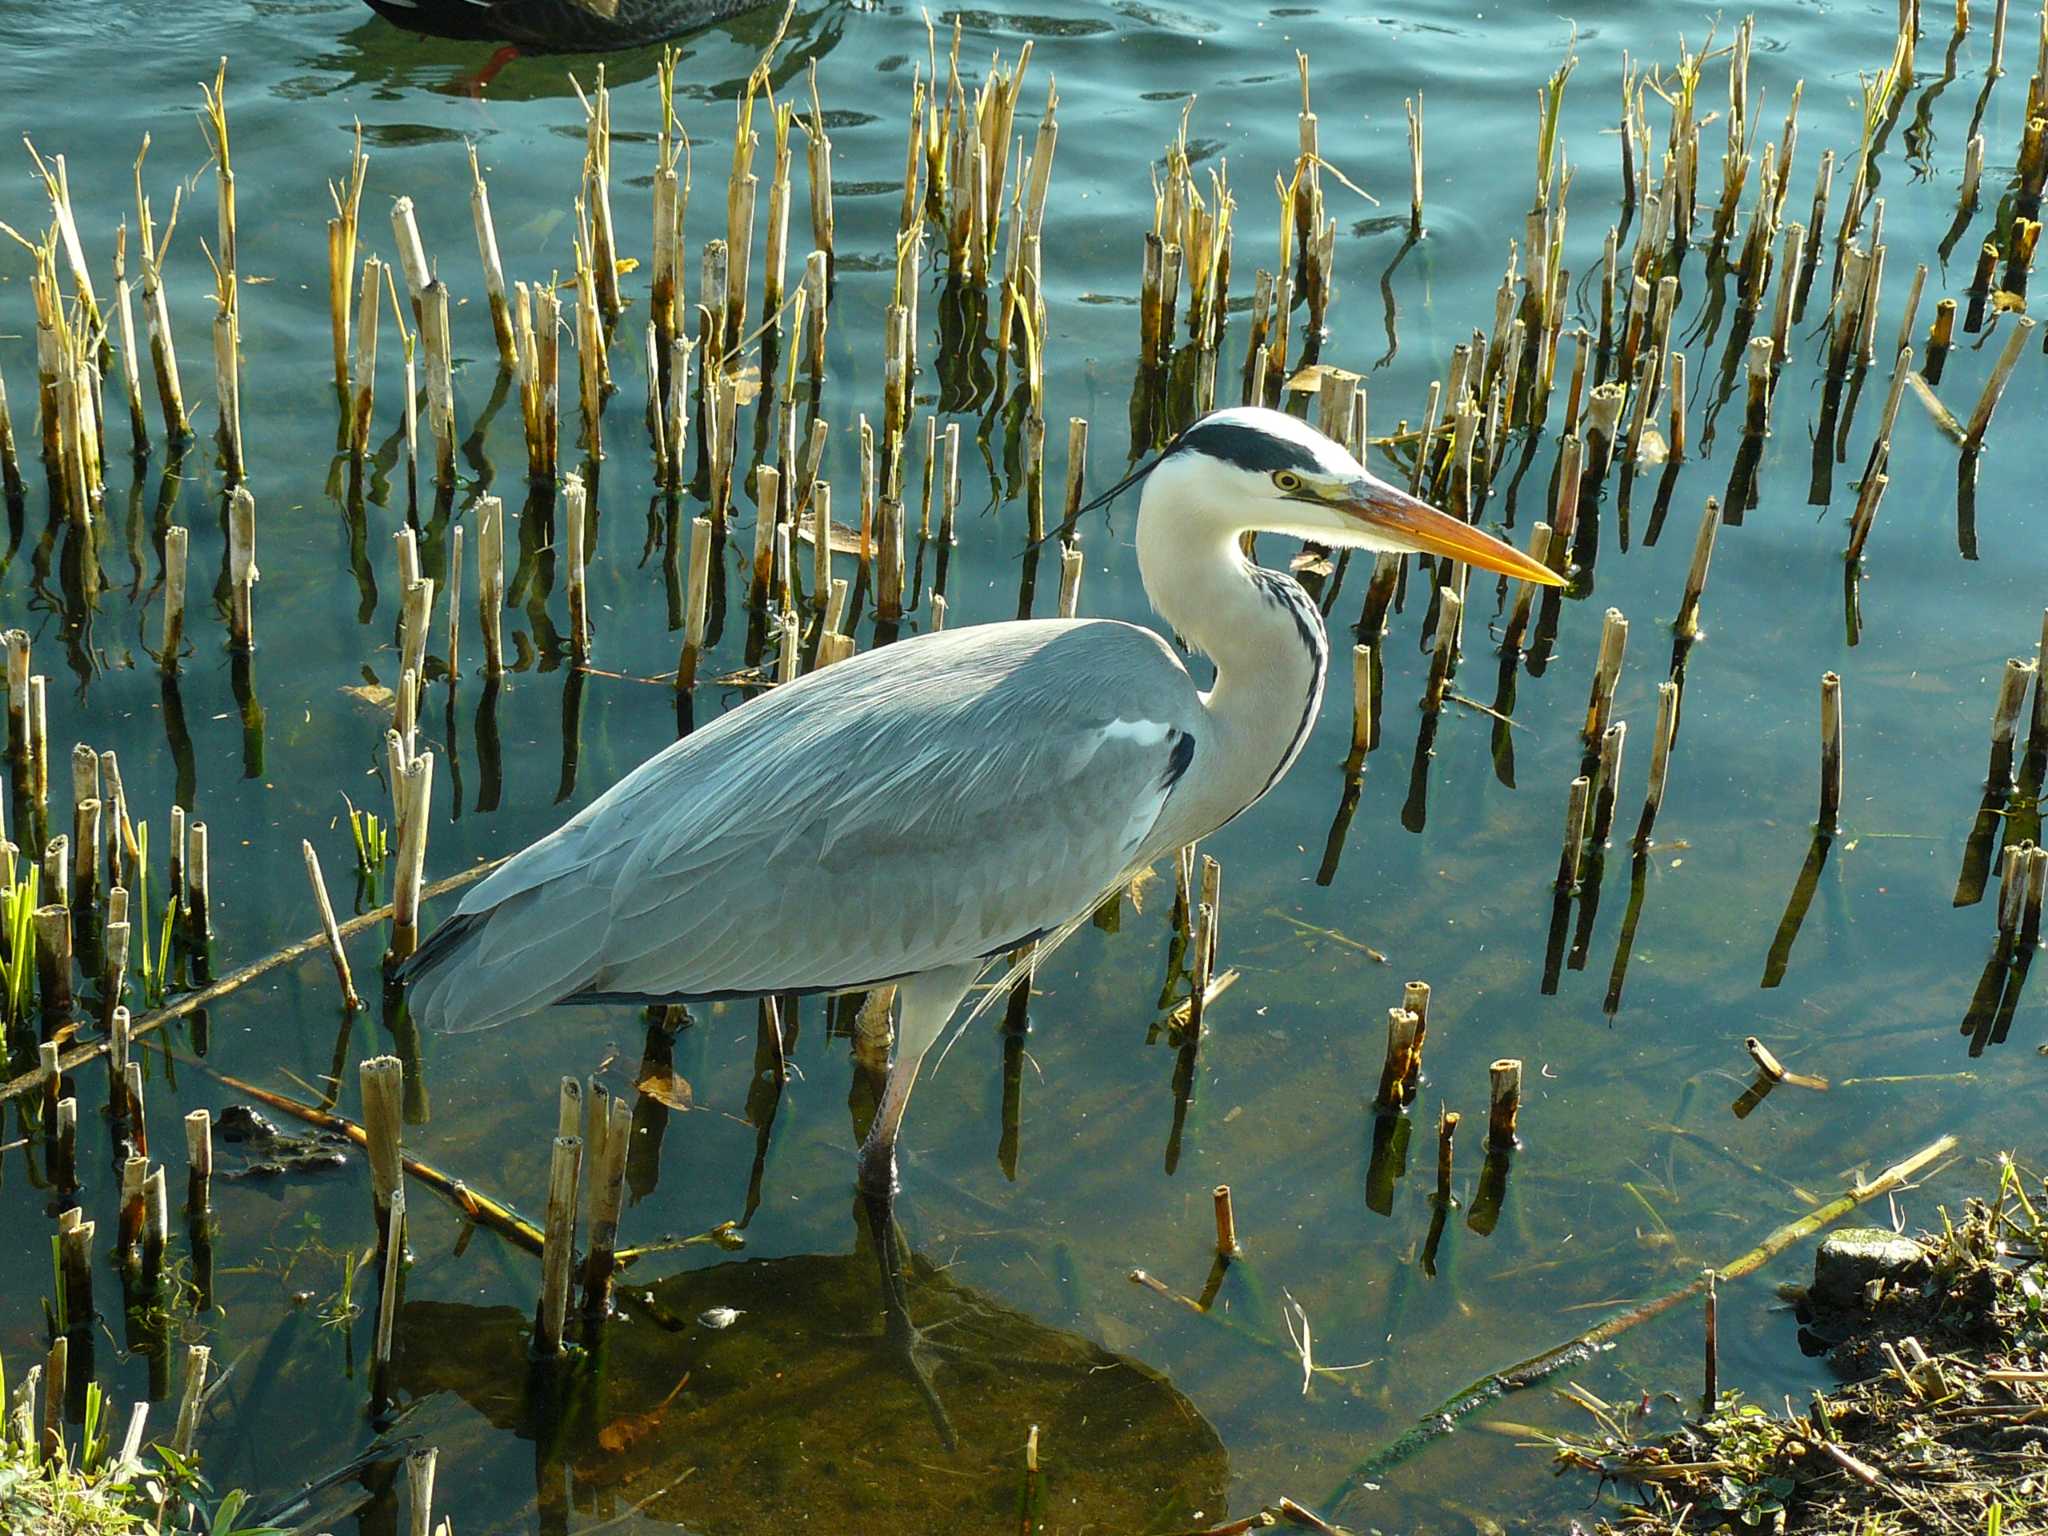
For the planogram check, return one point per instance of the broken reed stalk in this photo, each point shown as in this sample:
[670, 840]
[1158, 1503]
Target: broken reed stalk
[438, 345]
[242, 572]
[1565, 511]
[775, 254]
[138, 1111]
[490, 582]
[156, 311]
[64, 1155]
[1830, 753]
[1994, 386]
[53, 964]
[611, 1127]
[10, 459]
[342, 232]
[1226, 1225]
[213, 122]
[1574, 834]
[1504, 1083]
[2036, 890]
[382, 1079]
[412, 254]
[227, 377]
[1688, 622]
[330, 930]
[1606, 676]
[591, 361]
[1912, 309]
[1540, 543]
[1415, 999]
[671, 203]
[1364, 659]
[362, 405]
[1711, 1390]
[413, 797]
[455, 540]
[419, 1490]
[1756, 421]
[699, 597]
[1612, 740]
[2037, 720]
[1660, 761]
[1413, 107]
[199, 1164]
[156, 1223]
[2012, 691]
[1446, 1131]
[391, 1240]
[597, 195]
[576, 529]
[19, 718]
[1070, 581]
[416, 613]
[1077, 471]
[1403, 1028]
[767, 494]
[889, 571]
[494, 269]
[558, 1244]
[172, 636]
[131, 368]
[75, 1266]
[1450, 612]
[2015, 872]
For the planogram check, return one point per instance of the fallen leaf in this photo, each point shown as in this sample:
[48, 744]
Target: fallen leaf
[666, 1088]
[1311, 561]
[376, 695]
[623, 1433]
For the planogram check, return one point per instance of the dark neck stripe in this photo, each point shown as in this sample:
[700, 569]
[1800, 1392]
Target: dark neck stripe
[1308, 623]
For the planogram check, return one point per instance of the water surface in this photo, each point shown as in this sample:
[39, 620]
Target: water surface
[1634, 1175]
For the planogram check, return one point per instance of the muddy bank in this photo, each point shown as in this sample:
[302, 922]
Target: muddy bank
[1940, 1423]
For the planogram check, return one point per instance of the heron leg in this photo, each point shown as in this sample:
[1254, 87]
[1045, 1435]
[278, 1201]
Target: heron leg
[927, 1002]
[472, 85]
[903, 1339]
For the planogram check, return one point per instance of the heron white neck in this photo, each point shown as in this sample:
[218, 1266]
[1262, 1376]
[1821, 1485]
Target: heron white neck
[1270, 649]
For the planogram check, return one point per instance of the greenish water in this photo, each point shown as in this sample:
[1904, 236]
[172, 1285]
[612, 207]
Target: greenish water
[1446, 868]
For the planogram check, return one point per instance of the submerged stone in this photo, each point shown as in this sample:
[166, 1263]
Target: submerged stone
[1850, 1259]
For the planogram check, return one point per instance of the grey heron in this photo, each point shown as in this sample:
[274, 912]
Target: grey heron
[914, 814]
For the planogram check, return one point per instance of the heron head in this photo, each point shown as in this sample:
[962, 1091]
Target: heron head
[1249, 468]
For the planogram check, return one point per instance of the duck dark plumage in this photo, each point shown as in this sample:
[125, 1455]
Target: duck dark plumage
[559, 26]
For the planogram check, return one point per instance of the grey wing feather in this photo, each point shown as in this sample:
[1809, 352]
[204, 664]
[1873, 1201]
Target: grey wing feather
[941, 800]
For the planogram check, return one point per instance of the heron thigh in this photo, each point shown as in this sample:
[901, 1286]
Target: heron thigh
[927, 1002]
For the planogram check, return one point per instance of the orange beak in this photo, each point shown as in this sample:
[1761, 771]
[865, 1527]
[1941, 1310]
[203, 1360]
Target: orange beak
[1403, 520]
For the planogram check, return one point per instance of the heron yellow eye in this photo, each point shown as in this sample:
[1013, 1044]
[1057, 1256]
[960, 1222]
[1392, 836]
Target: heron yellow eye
[1288, 481]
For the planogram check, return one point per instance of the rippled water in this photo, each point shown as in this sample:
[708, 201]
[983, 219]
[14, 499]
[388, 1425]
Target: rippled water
[1634, 1175]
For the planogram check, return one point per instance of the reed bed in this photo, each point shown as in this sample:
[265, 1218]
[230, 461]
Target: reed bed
[755, 401]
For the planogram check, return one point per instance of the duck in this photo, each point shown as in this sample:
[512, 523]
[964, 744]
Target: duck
[559, 26]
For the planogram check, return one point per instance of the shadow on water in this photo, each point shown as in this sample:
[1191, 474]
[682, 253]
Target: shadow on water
[761, 1395]
[387, 57]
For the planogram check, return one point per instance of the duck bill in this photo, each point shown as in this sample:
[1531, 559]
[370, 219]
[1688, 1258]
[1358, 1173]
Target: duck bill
[1396, 518]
